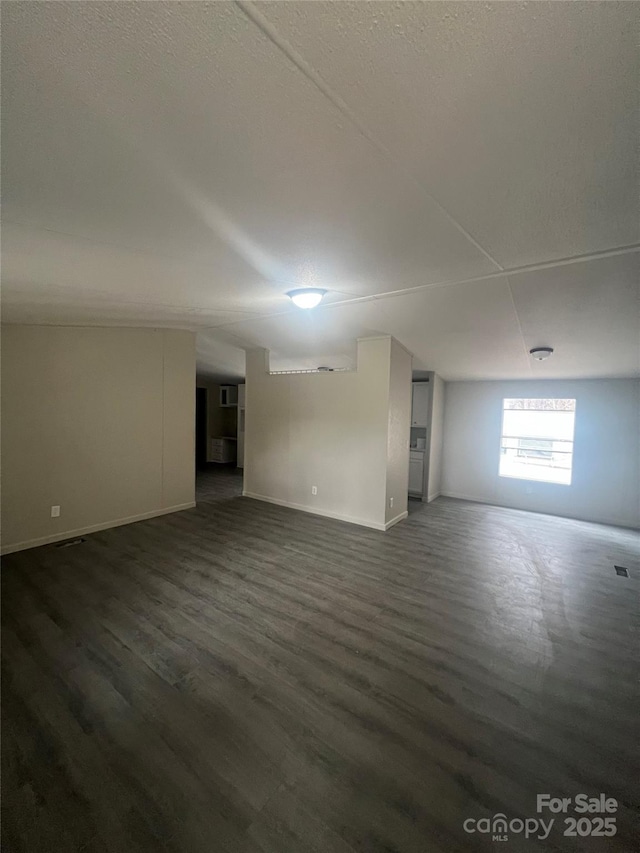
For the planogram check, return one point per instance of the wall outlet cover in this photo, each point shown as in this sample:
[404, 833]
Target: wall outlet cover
[55, 512]
[314, 490]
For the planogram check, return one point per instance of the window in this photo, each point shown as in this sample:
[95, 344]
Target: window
[537, 439]
[540, 448]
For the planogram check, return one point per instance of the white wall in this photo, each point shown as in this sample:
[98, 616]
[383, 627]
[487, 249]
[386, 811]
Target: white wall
[99, 421]
[605, 485]
[331, 431]
[436, 435]
[398, 432]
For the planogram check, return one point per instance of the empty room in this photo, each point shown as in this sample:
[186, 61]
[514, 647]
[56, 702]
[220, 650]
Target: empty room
[320, 400]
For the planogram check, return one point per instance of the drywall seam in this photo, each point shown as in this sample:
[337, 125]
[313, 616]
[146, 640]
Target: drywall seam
[164, 414]
[271, 32]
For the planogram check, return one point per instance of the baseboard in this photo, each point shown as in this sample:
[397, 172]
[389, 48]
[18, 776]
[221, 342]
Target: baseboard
[432, 497]
[612, 522]
[396, 519]
[323, 512]
[92, 528]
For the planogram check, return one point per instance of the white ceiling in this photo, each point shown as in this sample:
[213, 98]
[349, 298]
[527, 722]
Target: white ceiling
[464, 176]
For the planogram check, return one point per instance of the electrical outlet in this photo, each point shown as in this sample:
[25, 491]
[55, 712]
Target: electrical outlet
[390, 503]
[314, 490]
[55, 512]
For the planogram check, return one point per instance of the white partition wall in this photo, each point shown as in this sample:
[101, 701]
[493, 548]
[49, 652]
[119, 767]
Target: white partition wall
[436, 438]
[335, 443]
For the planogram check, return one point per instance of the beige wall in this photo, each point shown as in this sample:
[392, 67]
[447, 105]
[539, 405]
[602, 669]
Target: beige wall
[98, 421]
[326, 430]
[606, 461]
[436, 435]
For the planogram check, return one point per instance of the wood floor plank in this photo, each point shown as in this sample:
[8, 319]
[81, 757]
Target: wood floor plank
[242, 677]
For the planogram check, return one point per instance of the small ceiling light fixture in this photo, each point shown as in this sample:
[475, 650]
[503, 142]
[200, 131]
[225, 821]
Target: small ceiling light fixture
[540, 353]
[306, 297]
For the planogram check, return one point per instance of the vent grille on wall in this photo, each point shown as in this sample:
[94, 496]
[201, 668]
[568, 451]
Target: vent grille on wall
[313, 370]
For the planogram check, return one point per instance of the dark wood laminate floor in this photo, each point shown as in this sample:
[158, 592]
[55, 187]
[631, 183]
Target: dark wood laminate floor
[243, 677]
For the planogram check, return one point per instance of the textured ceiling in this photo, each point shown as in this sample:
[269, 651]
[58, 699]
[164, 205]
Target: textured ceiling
[464, 176]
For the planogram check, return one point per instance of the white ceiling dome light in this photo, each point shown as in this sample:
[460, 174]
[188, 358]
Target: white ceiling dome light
[306, 297]
[541, 353]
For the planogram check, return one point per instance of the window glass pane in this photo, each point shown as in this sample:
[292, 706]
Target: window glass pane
[537, 439]
[535, 448]
[541, 404]
[530, 424]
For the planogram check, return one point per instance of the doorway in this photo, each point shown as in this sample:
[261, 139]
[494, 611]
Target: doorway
[201, 428]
